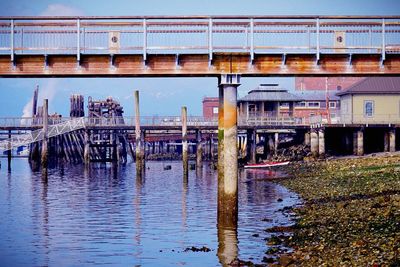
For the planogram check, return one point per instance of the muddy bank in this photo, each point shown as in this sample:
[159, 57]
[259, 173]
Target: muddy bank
[350, 216]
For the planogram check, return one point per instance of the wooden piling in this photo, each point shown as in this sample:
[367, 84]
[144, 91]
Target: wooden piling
[86, 152]
[199, 150]
[138, 135]
[45, 134]
[9, 152]
[185, 154]
[220, 151]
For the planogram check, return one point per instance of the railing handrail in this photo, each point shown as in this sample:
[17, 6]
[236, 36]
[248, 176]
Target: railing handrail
[189, 17]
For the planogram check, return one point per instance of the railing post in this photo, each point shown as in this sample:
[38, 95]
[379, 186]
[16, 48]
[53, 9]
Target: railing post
[383, 41]
[252, 39]
[144, 40]
[210, 42]
[12, 41]
[78, 40]
[318, 39]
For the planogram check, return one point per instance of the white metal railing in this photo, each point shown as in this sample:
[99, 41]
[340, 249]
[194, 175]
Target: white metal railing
[357, 119]
[38, 135]
[199, 34]
[167, 121]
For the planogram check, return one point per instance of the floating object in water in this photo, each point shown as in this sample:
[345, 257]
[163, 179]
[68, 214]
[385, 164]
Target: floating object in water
[266, 164]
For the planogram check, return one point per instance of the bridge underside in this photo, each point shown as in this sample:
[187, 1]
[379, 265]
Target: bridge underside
[166, 65]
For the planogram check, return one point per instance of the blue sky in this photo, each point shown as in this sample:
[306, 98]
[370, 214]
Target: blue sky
[161, 96]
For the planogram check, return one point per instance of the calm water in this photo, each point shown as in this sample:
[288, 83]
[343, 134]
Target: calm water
[106, 216]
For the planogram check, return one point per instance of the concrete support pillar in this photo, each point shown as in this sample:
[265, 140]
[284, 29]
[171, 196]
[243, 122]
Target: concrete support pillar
[229, 209]
[276, 142]
[271, 144]
[392, 140]
[314, 143]
[321, 143]
[360, 143]
[355, 143]
[86, 151]
[199, 150]
[386, 142]
[185, 154]
[45, 152]
[139, 151]
[307, 139]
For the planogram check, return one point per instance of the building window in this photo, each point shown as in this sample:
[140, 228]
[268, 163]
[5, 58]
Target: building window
[284, 104]
[332, 105]
[368, 108]
[313, 104]
[301, 104]
[215, 110]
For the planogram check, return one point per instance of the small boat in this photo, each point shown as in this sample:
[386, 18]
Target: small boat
[266, 164]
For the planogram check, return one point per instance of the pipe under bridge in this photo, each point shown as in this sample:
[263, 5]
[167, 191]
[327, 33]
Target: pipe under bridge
[199, 46]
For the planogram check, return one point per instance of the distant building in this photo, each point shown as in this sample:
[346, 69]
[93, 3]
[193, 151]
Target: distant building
[314, 103]
[210, 107]
[266, 101]
[374, 100]
[319, 83]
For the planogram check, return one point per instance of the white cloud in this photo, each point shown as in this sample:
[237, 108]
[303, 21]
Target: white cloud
[61, 10]
[48, 90]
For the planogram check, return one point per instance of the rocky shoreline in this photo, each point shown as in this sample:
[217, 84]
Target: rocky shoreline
[350, 216]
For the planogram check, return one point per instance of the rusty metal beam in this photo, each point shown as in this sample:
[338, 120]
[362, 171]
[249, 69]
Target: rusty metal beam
[198, 65]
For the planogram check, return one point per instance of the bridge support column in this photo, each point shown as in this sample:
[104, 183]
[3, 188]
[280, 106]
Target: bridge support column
[392, 140]
[229, 210]
[307, 139]
[199, 150]
[321, 143]
[45, 152]
[86, 152]
[314, 143]
[185, 154]
[139, 135]
[360, 143]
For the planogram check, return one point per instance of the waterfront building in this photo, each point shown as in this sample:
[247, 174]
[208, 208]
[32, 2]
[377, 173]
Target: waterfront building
[374, 100]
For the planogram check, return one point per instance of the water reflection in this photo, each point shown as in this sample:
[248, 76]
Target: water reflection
[105, 214]
[227, 245]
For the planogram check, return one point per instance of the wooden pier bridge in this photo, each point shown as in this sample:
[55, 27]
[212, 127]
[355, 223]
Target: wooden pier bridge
[199, 46]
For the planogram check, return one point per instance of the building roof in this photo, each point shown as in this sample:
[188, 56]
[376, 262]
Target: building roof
[210, 99]
[270, 92]
[374, 85]
[316, 95]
